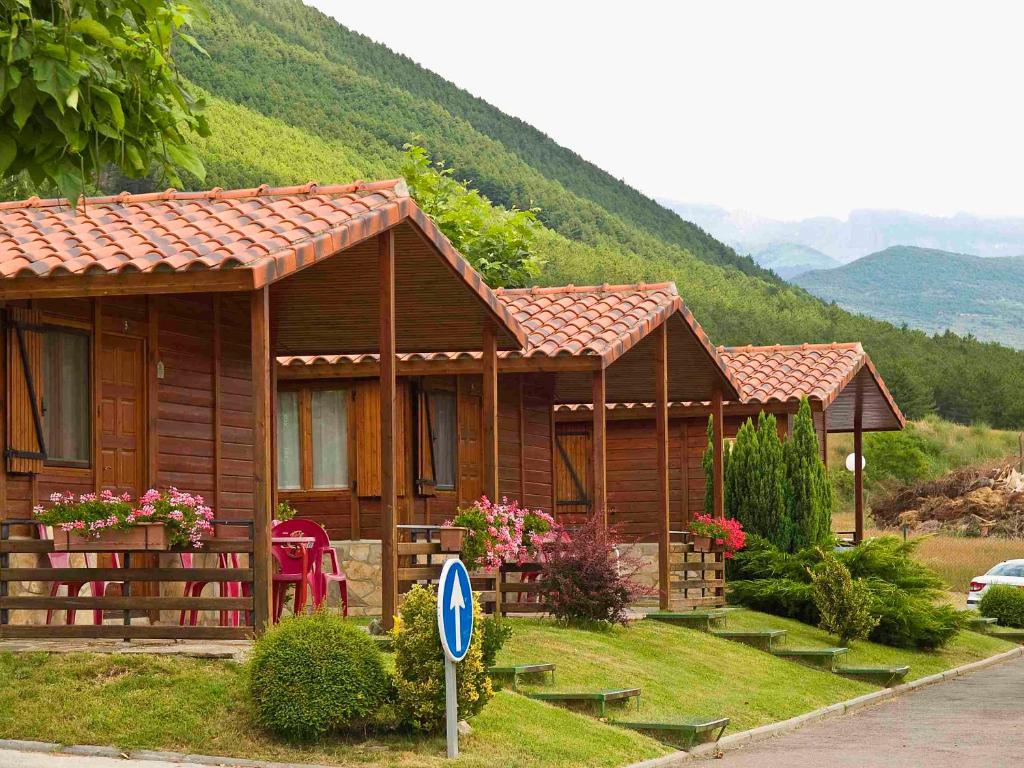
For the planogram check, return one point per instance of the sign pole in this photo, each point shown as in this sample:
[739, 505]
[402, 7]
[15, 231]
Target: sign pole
[451, 707]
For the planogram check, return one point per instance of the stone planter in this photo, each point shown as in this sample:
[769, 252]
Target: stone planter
[451, 539]
[143, 537]
[701, 543]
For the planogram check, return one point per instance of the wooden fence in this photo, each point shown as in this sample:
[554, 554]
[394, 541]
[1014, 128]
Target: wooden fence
[129, 605]
[696, 579]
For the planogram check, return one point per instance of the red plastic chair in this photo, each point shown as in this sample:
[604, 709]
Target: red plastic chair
[320, 579]
[224, 589]
[63, 560]
[289, 572]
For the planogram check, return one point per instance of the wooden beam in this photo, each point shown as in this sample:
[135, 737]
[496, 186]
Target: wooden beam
[824, 437]
[217, 418]
[858, 476]
[661, 430]
[718, 440]
[127, 284]
[489, 416]
[97, 400]
[388, 395]
[262, 468]
[600, 448]
[152, 390]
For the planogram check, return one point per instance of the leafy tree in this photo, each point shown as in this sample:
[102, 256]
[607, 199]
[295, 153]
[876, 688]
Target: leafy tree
[499, 243]
[808, 493]
[911, 393]
[896, 455]
[90, 82]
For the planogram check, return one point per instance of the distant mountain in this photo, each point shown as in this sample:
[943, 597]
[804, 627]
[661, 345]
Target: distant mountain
[931, 290]
[790, 259]
[864, 232]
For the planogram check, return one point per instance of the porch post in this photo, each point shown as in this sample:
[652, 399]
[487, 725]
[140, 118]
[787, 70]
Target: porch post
[599, 445]
[262, 463]
[718, 468]
[388, 393]
[858, 475]
[489, 417]
[664, 520]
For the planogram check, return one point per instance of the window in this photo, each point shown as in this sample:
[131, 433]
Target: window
[65, 398]
[312, 439]
[442, 418]
[289, 450]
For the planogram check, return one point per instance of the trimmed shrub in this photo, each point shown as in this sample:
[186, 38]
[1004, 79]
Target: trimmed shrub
[314, 675]
[419, 666]
[585, 580]
[493, 636]
[843, 603]
[1005, 603]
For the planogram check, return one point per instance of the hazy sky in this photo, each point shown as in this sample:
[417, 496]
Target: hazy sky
[785, 109]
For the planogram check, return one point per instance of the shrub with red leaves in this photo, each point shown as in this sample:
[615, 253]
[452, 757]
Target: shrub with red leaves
[585, 578]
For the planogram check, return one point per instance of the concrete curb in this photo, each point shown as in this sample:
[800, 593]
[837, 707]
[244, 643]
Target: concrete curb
[852, 705]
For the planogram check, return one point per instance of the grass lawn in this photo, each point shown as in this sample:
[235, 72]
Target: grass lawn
[199, 706]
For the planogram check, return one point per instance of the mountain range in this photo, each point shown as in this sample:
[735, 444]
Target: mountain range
[292, 95]
[932, 290]
[863, 232]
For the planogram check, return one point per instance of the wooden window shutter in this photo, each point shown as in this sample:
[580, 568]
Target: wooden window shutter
[26, 444]
[367, 407]
[573, 477]
[367, 437]
[426, 477]
[470, 468]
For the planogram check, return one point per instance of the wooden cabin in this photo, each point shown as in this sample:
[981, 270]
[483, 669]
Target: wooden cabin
[613, 343]
[138, 336]
[845, 391]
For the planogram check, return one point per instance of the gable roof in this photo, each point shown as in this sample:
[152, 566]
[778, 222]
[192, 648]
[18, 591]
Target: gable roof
[598, 323]
[217, 239]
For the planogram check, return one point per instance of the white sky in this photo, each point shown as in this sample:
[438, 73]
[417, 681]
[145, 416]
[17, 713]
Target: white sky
[784, 109]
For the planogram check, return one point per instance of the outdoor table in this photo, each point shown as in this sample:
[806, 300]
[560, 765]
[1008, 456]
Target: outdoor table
[303, 544]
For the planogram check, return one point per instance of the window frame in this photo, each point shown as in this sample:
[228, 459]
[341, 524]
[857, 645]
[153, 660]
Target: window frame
[305, 391]
[425, 388]
[53, 325]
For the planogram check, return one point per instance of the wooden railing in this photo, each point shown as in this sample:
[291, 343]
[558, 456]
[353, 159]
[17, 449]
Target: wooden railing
[420, 559]
[696, 579]
[129, 605]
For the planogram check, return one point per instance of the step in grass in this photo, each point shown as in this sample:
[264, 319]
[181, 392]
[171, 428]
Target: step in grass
[684, 733]
[884, 676]
[1007, 633]
[982, 623]
[591, 699]
[383, 642]
[822, 658]
[703, 620]
[514, 672]
[762, 639]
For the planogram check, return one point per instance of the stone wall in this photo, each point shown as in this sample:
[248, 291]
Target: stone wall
[360, 561]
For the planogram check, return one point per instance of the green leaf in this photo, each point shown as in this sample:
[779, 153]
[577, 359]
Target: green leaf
[8, 151]
[114, 103]
[72, 99]
[92, 28]
[55, 78]
[24, 99]
[185, 157]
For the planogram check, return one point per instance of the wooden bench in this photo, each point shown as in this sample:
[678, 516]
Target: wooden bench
[1007, 633]
[763, 639]
[685, 733]
[884, 676]
[822, 658]
[704, 620]
[600, 698]
[982, 624]
[515, 671]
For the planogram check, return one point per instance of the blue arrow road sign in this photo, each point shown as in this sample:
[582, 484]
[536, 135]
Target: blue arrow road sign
[455, 609]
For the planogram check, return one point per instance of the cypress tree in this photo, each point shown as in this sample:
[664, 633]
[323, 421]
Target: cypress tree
[741, 492]
[808, 494]
[768, 481]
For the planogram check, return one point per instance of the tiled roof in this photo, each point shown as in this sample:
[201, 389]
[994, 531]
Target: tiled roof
[570, 321]
[785, 373]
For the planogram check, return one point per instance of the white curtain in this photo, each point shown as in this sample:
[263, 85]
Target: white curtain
[444, 427]
[66, 396]
[288, 447]
[330, 438]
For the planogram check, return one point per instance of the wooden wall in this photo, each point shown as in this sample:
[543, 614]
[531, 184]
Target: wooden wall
[524, 460]
[198, 418]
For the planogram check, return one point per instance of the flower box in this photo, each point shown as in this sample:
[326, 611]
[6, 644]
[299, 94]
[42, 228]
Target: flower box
[142, 537]
[701, 543]
[452, 539]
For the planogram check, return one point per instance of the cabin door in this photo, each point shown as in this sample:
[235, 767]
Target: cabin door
[122, 399]
[573, 471]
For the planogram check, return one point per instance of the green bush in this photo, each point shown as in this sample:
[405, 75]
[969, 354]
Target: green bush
[493, 636]
[843, 603]
[314, 675]
[904, 593]
[419, 666]
[896, 455]
[1004, 603]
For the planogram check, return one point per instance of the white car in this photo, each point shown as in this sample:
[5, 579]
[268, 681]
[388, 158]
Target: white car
[1007, 572]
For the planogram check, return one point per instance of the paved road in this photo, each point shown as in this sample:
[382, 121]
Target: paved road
[975, 721]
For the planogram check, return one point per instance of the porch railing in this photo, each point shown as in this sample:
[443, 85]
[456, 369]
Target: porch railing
[696, 579]
[129, 605]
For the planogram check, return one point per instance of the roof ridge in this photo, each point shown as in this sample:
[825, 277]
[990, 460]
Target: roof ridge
[855, 345]
[571, 288]
[216, 193]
